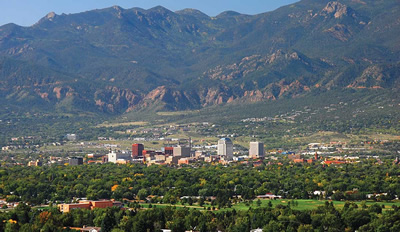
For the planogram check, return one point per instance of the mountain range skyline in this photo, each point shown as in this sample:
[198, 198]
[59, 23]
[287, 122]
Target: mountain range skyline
[27, 13]
[117, 60]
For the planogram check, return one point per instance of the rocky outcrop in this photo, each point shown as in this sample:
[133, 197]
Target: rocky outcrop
[340, 32]
[337, 9]
[114, 99]
[62, 92]
[250, 64]
[377, 76]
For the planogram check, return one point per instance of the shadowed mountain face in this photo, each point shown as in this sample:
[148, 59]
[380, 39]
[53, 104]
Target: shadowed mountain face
[117, 60]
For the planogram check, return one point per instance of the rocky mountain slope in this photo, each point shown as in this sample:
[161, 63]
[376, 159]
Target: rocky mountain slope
[118, 60]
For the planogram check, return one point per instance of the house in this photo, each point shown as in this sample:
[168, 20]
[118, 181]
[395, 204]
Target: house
[319, 193]
[84, 228]
[269, 196]
[376, 195]
[257, 230]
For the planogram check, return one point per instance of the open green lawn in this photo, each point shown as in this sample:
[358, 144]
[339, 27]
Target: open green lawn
[308, 204]
[301, 204]
[194, 206]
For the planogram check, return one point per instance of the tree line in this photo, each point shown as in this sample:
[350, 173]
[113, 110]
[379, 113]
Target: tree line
[280, 218]
[37, 185]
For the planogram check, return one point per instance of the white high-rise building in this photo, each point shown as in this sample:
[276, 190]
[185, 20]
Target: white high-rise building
[256, 150]
[225, 148]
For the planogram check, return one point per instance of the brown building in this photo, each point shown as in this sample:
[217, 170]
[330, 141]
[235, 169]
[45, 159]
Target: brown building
[299, 160]
[148, 152]
[294, 156]
[101, 204]
[169, 150]
[65, 208]
[186, 161]
[172, 160]
[137, 150]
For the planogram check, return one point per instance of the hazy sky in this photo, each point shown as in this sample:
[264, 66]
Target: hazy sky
[28, 12]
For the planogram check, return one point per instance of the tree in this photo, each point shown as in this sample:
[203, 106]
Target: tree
[305, 228]
[11, 227]
[259, 202]
[274, 226]
[270, 203]
[375, 208]
[142, 194]
[108, 222]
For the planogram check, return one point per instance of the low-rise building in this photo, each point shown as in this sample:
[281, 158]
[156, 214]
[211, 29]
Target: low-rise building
[172, 160]
[36, 163]
[114, 156]
[73, 161]
[186, 161]
[86, 229]
[71, 137]
[65, 208]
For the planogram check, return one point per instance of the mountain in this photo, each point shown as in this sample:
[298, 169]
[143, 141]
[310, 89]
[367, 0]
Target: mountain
[119, 60]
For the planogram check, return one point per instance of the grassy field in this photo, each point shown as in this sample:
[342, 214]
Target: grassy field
[177, 113]
[194, 206]
[138, 123]
[309, 204]
[301, 204]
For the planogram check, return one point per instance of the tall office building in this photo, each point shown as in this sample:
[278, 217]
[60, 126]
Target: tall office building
[181, 151]
[168, 150]
[137, 150]
[256, 150]
[225, 148]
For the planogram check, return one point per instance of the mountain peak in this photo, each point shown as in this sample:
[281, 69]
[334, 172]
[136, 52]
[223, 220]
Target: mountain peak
[190, 11]
[336, 8]
[228, 13]
[50, 16]
[159, 9]
[118, 8]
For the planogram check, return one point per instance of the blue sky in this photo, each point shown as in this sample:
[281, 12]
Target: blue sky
[28, 12]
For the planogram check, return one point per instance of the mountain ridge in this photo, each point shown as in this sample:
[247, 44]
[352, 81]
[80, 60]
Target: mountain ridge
[117, 60]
